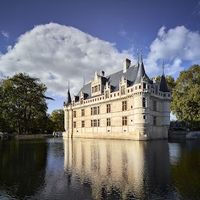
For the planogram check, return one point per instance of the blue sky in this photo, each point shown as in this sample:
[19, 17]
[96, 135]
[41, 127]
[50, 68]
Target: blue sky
[96, 35]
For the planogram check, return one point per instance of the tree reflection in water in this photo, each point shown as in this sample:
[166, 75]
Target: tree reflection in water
[22, 167]
[186, 170]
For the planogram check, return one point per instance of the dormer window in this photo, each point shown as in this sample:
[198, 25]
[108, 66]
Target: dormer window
[95, 88]
[96, 85]
[107, 94]
[123, 90]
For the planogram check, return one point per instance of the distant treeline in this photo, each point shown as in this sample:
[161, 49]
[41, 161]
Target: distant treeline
[23, 107]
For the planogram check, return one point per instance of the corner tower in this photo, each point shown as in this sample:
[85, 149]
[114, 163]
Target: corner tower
[68, 116]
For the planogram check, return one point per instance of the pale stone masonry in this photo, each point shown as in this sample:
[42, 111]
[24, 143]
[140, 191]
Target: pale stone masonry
[123, 105]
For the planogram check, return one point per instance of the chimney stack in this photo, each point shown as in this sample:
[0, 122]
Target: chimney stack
[127, 64]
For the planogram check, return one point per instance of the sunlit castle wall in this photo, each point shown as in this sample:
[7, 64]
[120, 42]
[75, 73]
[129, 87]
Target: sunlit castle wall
[123, 105]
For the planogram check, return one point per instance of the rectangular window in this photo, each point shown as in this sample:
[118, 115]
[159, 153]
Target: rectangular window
[108, 122]
[124, 121]
[74, 124]
[95, 123]
[144, 102]
[82, 124]
[144, 85]
[82, 112]
[154, 105]
[123, 90]
[74, 113]
[124, 105]
[95, 110]
[108, 108]
[154, 121]
[95, 88]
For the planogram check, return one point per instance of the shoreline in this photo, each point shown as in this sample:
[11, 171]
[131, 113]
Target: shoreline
[32, 136]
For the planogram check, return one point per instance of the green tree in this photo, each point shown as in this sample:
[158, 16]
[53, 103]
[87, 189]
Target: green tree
[186, 97]
[24, 103]
[57, 117]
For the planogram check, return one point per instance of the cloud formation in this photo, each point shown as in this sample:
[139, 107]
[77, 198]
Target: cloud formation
[57, 53]
[175, 46]
[5, 34]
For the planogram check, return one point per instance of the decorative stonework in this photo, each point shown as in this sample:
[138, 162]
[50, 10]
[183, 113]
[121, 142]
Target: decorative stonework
[132, 97]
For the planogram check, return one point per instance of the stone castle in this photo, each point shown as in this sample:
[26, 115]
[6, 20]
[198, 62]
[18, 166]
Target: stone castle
[123, 105]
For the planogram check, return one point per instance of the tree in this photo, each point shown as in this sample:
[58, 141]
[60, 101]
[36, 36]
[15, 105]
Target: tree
[24, 103]
[57, 117]
[186, 97]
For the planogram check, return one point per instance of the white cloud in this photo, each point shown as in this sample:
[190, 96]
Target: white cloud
[5, 34]
[175, 46]
[57, 53]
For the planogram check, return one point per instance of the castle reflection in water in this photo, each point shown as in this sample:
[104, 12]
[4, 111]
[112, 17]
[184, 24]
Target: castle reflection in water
[122, 168]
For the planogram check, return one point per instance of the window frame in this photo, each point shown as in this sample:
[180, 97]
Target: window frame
[108, 122]
[82, 112]
[124, 105]
[124, 120]
[82, 124]
[74, 124]
[74, 114]
[108, 108]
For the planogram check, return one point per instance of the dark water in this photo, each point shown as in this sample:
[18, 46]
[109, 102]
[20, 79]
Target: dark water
[99, 169]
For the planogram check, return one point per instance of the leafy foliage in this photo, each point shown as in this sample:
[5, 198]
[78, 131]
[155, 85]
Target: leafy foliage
[23, 105]
[186, 97]
[57, 117]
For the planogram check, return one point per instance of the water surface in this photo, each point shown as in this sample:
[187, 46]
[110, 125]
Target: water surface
[99, 169]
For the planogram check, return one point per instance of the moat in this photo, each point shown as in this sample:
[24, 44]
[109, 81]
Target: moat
[99, 169]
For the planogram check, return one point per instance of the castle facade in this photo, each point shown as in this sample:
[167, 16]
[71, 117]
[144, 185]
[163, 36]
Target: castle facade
[123, 105]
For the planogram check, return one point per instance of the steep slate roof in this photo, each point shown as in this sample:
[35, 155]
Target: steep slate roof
[114, 80]
[69, 100]
[141, 74]
[163, 84]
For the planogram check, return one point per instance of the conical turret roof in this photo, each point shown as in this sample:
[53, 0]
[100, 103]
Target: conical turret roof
[69, 100]
[141, 74]
[163, 84]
